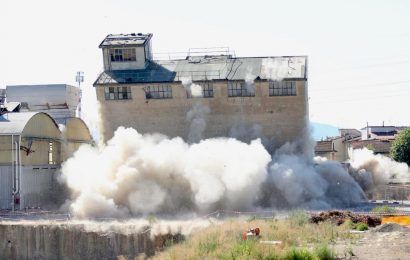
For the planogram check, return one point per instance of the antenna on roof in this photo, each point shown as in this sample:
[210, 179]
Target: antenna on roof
[79, 78]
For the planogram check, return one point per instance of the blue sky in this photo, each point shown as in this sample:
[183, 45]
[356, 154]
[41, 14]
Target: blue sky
[359, 51]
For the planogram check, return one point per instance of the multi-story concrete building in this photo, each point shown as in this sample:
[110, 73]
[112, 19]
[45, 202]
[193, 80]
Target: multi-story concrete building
[201, 95]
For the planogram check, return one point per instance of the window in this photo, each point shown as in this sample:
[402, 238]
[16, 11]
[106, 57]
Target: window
[122, 55]
[115, 93]
[240, 89]
[282, 88]
[158, 92]
[207, 89]
[50, 153]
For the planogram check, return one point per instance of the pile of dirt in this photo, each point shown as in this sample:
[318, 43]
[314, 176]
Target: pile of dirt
[389, 227]
[339, 217]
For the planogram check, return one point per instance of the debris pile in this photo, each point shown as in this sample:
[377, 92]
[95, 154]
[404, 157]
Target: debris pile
[339, 217]
[389, 227]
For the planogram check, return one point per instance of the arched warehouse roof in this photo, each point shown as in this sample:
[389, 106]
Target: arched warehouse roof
[42, 125]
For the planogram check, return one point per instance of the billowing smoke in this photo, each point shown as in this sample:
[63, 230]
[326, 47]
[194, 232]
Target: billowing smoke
[152, 174]
[250, 82]
[90, 112]
[139, 175]
[193, 90]
[372, 170]
[197, 117]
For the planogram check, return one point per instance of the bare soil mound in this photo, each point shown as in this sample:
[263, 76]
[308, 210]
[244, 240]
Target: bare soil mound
[389, 227]
[339, 217]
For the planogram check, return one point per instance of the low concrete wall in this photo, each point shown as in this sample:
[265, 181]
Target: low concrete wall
[48, 240]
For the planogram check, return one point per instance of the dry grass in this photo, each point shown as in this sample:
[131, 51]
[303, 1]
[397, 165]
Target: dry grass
[224, 241]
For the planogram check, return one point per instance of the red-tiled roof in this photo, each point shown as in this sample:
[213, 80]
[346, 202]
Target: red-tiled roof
[324, 147]
[378, 146]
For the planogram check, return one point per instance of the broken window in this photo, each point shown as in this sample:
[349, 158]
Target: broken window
[282, 88]
[114, 93]
[207, 89]
[240, 89]
[158, 92]
[50, 153]
[121, 55]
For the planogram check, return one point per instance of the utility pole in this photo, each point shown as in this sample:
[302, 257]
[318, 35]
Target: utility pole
[79, 78]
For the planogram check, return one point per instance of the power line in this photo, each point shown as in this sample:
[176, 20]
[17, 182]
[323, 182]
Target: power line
[360, 86]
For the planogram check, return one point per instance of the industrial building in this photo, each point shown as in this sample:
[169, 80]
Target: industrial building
[58, 100]
[32, 149]
[242, 97]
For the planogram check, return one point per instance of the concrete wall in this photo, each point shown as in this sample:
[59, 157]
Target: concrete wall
[6, 184]
[67, 241]
[282, 118]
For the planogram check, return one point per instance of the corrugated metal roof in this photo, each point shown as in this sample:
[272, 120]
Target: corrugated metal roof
[133, 39]
[14, 123]
[211, 68]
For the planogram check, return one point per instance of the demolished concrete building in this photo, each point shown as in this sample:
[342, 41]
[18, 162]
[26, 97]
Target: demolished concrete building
[241, 97]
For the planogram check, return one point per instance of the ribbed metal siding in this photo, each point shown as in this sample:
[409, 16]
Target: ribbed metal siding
[5, 187]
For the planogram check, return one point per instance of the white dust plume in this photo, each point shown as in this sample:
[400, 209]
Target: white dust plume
[138, 175]
[371, 170]
[193, 90]
[145, 174]
[90, 112]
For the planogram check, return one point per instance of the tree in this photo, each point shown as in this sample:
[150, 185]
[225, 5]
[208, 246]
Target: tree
[400, 150]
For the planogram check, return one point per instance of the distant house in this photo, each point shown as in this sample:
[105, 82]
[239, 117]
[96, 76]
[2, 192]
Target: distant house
[379, 139]
[336, 148]
[377, 146]
[381, 132]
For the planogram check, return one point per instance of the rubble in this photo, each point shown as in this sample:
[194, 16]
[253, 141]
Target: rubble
[339, 217]
[389, 227]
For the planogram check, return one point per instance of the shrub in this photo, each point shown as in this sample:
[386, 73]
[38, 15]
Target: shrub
[323, 252]
[298, 254]
[361, 226]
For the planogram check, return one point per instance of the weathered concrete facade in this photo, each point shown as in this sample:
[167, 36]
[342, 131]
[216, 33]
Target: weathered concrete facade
[280, 118]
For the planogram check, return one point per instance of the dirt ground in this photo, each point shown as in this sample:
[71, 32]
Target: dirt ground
[376, 245]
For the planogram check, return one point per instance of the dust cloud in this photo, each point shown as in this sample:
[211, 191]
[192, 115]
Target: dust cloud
[140, 175]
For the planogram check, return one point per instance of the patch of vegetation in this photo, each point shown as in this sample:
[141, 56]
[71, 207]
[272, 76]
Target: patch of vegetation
[323, 252]
[299, 217]
[356, 226]
[384, 209]
[298, 254]
[361, 226]
[400, 150]
[208, 247]
[223, 240]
